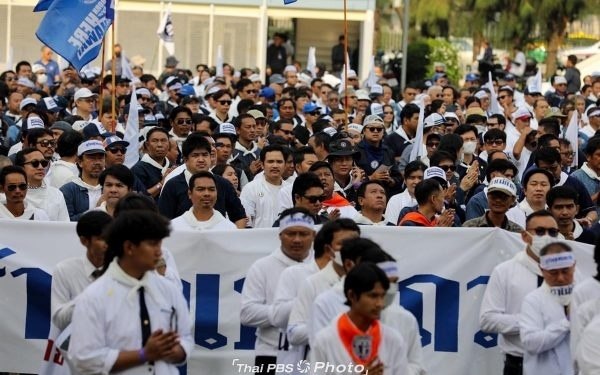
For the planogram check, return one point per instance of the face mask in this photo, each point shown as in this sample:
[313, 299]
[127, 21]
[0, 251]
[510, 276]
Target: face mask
[469, 147]
[480, 129]
[42, 79]
[562, 293]
[539, 242]
[390, 295]
[337, 258]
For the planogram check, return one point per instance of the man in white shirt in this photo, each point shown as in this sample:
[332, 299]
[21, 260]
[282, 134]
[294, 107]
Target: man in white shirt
[544, 320]
[260, 197]
[509, 283]
[40, 195]
[327, 245]
[65, 169]
[296, 233]
[357, 337]
[13, 183]
[372, 198]
[202, 215]
[304, 158]
[116, 181]
[593, 114]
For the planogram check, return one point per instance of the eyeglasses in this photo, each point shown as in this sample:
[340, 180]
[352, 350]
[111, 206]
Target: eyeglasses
[224, 102]
[314, 198]
[432, 144]
[9, 79]
[251, 91]
[184, 121]
[448, 168]
[374, 129]
[116, 150]
[47, 143]
[313, 113]
[88, 100]
[36, 163]
[495, 142]
[13, 187]
[540, 231]
[287, 132]
[568, 154]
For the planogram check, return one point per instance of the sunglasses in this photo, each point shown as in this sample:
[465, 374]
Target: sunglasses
[251, 91]
[47, 143]
[314, 199]
[36, 163]
[116, 150]
[13, 187]
[540, 231]
[375, 129]
[447, 168]
[184, 121]
[287, 132]
[224, 102]
[495, 142]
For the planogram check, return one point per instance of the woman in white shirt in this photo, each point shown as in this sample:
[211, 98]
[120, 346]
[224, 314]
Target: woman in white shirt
[413, 174]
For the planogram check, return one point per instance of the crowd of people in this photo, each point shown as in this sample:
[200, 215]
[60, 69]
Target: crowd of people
[230, 152]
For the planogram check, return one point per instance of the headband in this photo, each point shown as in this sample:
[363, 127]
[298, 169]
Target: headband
[557, 261]
[390, 268]
[296, 220]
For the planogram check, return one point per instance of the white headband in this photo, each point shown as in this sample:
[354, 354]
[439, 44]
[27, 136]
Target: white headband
[557, 261]
[296, 220]
[390, 268]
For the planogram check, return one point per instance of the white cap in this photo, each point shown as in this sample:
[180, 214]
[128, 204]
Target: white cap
[503, 185]
[434, 119]
[362, 95]
[355, 127]
[377, 109]
[27, 101]
[290, 68]
[254, 77]
[227, 128]
[432, 172]
[212, 90]
[351, 73]
[329, 130]
[84, 93]
[91, 147]
[79, 125]
[481, 94]
[377, 89]
[35, 68]
[559, 80]
[520, 112]
[34, 122]
[451, 115]
[142, 91]
[373, 119]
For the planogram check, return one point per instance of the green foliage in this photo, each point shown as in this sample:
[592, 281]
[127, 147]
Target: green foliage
[418, 60]
[442, 51]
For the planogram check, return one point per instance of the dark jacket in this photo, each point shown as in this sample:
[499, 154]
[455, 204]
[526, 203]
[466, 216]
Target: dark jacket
[76, 198]
[366, 163]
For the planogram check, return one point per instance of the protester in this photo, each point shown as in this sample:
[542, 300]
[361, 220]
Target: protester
[116, 182]
[562, 203]
[372, 199]
[13, 184]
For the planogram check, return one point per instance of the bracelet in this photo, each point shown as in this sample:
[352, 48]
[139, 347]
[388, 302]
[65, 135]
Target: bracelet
[142, 355]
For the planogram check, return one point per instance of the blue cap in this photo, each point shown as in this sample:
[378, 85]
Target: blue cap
[187, 90]
[509, 77]
[268, 93]
[437, 76]
[310, 107]
[471, 77]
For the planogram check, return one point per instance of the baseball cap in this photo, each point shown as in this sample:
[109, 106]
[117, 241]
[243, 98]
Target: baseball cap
[310, 107]
[436, 173]
[173, 83]
[355, 127]
[434, 119]
[256, 114]
[503, 185]
[187, 90]
[91, 147]
[509, 77]
[348, 92]
[212, 90]
[114, 140]
[362, 95]
[35, 68]
[343, 147]
[376, 89]
[521, 113]
[290, 68]
[94, 129]
[150, 119]
[84, 92]
[62, 125]
[226, 128]
[27, 101]
[171, 61]
[560, 80]
[373, 119]
[79, 125]
[593, 111]
[48, 104]
[437, 76]
[267, 93]
[277, 78]
[554, 112]
[532, 89]
[26, 82]
[33, 122]
[142, 91]
[377, 109]
[471, 77]
[189, 99]
[481, 94]
[254, 77]
[351, 73]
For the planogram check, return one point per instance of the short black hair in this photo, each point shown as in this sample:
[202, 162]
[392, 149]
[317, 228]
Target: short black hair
[561, 192]
[67, 143]
[120, 172]
[425, 189]
[34, 134]
[550, 125]
[303, 182]
[413, 166]
[409, 111]
[355, 249]
[462, 129]
[547, 155]
[363, 187]
[320, 164]
[328, 230]
[92, 223]
[561, 245]
[439, 156]
[20, 157]
[530, 172]
[451, 143]
[237, 122]
[540, 213]
[545, 139]
[362, 279]
[272, 148]
[134, 226]
[201, 174]
[499, 165]
[494, 134]
[154, 130]
[592, 146]
[177, 110]
[301, 152]
[135, 201]
[501, 118]
[9, 169]
[322, 139]
[195, 141]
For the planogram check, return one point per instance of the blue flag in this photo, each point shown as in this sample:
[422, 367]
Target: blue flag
[75, 29]
[285, 2]
[43, 5]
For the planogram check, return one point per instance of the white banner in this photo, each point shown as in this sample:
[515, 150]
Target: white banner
[443, 273]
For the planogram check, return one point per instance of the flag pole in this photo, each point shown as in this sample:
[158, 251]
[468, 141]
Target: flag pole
[346, 62]
[114, 77]
[102, 77]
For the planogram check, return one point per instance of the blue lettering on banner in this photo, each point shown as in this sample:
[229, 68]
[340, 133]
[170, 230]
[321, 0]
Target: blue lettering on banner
[247, 334]
[3, 254]
[446, 310]
[37, 318]
[485, 339]
[207, 312]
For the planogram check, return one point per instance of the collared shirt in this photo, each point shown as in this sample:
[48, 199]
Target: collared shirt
[485, 222]
[261, 202]
[49, 199]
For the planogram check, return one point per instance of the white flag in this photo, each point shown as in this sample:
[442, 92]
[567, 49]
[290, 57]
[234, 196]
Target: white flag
[166, 33]
[126, 70]
[132, 132]
[572, 135]
[494, 105]
[9, 59]
[537, 82]
[219, 62]
[372, 78]
[311, 63]
[417, 151]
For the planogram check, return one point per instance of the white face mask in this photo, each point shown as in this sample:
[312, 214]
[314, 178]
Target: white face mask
[469, 147]
[337, 258]
[562, 293]
[42, 78]
[480, 129]
[390, 295]
[539, 242]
